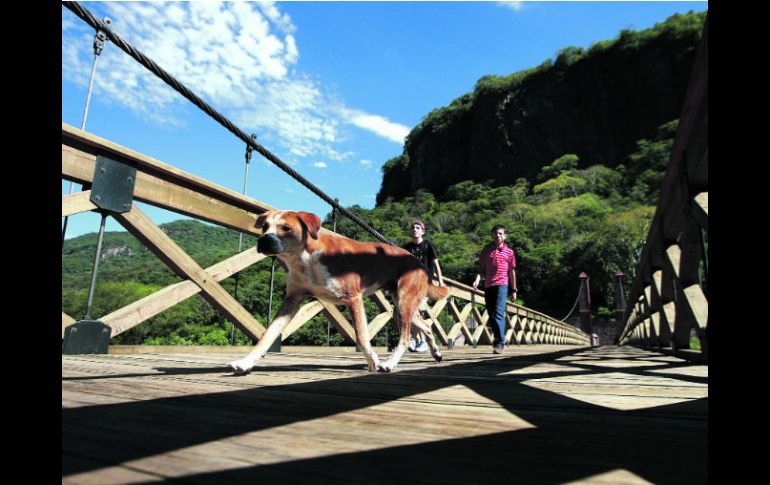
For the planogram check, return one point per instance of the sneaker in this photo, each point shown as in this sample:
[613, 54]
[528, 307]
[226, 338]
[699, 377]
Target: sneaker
[412, 345]
[422, 346]
[498, 349]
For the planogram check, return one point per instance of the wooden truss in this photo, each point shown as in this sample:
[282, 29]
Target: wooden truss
[167, 187]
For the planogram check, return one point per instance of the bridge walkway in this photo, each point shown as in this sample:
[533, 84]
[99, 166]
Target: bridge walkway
[536, 414]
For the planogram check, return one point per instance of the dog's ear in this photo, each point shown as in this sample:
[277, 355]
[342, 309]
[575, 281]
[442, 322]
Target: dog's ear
[312, 222]
[260, 220]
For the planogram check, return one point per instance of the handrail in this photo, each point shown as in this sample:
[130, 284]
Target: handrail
[669, 294]
[170, 188]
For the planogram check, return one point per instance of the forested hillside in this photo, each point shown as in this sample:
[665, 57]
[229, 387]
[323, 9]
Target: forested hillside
[595, 103]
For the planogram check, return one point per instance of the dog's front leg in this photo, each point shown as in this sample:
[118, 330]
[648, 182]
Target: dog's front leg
[356, 306]
[288, 309]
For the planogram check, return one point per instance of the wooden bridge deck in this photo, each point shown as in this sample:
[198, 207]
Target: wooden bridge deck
[537, 414]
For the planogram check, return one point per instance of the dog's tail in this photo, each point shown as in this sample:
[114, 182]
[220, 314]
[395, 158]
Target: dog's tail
[437, 292]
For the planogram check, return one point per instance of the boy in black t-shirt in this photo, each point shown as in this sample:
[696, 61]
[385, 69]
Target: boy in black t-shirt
[425, 252]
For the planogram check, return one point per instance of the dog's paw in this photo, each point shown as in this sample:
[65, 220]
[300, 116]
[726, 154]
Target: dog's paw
[385, 367]
[241, 367]
[438, 357]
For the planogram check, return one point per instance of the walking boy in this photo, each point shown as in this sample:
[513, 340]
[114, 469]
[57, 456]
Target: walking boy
[497, 262]
[425, 252]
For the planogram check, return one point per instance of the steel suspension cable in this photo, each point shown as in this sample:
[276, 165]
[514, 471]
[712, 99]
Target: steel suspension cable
[88, 17]
[573, 306]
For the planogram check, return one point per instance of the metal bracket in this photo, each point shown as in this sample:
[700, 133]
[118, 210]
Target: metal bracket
[113, 185]
[86, 337]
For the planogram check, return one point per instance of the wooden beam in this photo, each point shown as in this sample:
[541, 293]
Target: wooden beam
[464, 294]
[699, 306]
[305, 313]
[701, 209]
[460, 316]
[132, 315]
[669, 310]
[674, 254]
[455, 330]
[378, 322]
[88, 143]
[337, 319]
[168, 251]
[382, 301]
[167, 194]
[433, 316]
[72, 204]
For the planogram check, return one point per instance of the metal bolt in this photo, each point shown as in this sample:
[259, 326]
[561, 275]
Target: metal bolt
[98, 197]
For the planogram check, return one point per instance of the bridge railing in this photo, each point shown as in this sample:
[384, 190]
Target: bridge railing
[669, 296]
[165, 186]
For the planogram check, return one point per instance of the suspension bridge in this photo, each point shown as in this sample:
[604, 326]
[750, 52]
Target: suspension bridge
[556, 409]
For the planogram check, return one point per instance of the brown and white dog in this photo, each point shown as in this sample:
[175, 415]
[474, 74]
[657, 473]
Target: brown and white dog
[339, 270]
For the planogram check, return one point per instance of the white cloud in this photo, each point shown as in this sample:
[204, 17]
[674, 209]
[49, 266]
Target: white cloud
[516, 6]
[376, 124]
[240, 57]
[319, 165]
[366, 163]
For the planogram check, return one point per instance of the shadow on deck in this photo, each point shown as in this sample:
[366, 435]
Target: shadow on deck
[534, 415]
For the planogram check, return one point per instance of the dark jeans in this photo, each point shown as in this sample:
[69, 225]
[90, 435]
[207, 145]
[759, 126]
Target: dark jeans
[495, 297]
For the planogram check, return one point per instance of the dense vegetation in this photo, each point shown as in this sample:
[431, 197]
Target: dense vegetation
[572, 219]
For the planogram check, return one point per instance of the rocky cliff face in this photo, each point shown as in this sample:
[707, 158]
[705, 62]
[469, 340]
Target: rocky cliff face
[595, 104]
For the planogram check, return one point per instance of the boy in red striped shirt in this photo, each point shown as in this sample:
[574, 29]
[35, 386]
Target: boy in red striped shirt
[498, 264]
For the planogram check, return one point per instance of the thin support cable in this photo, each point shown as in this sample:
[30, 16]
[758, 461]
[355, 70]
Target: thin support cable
[88, 17]
[99, 39]
[240, 234]
[573, 306]
[245, 179]
[95, 269]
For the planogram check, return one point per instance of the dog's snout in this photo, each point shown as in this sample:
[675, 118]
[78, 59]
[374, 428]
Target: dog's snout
[269, 244]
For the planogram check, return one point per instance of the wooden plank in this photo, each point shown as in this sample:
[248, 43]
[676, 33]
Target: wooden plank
[76, 203]
[702, 201]
[88, 143]
[378, 322]
[132, 315]
[669, 310]
[438, 330]
[460, 316]
[702, 209]
[168, 251]
[698, 304]
[167, 194]
[321, 430]
[337, 319]
[674, 254]
[382, 301]
[305, 313]
[456, 329]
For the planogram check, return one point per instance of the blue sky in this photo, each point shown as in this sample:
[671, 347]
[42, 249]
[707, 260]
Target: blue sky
[331, 88]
